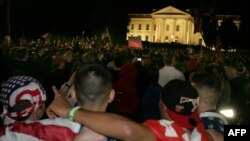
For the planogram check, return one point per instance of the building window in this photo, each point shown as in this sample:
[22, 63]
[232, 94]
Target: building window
[132, 26]
[153, 38]
[139, 28]
[177, 28]
[146, 38]
[147, 27]
[167, 28]
[176, 39]
[166, 39]
[154, 27]
[139, 36]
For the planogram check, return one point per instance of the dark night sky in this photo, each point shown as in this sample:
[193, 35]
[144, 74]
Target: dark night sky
[70, 17]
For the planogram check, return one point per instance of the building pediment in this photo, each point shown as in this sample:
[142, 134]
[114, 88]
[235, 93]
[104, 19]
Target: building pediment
[170, 10]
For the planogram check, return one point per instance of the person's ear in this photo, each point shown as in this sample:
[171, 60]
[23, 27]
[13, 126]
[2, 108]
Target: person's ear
[198, 100]
[40, 111]
[111, 96]
[163, 110]
[162, 106]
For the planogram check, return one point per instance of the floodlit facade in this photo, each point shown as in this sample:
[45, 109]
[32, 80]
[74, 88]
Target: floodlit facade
[165, 26]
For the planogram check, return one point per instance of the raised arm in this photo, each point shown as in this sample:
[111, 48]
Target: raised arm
[107, 124]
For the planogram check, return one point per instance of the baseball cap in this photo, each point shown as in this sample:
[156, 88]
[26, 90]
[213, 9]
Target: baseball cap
[180, 99]
[21, 88]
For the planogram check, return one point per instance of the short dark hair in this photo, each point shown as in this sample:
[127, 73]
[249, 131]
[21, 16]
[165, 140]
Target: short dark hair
[93, 82]
[204, 79]
[212, 85]
[168, 58]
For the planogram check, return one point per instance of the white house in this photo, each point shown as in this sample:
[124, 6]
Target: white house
[165, 26]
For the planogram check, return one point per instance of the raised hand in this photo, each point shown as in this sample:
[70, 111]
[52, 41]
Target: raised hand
[59, 107]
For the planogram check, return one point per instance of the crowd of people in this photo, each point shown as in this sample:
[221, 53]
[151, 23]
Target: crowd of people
[112, 92]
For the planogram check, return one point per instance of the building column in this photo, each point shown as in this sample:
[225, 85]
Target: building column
[152, 34]
[186, 32]
[158, 31]
[173, 32]
[163, 25]
[190, 31]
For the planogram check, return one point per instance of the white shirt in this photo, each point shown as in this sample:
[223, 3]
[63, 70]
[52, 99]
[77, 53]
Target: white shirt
[168, 73]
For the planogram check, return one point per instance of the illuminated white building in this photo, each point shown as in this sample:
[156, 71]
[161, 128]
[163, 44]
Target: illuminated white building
[165, 26]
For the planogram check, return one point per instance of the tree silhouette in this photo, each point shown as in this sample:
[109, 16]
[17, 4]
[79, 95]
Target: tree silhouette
[229, 34]
[206, 11]
[244, 31]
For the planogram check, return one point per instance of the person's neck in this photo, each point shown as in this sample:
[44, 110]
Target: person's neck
[204, 108]
[169, 65]
[96, 108]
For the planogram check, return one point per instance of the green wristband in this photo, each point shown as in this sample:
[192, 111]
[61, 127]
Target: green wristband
[72, 113]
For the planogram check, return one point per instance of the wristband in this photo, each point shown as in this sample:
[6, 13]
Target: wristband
[72, 113]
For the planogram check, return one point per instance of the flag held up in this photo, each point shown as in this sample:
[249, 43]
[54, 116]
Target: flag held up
[134, 42]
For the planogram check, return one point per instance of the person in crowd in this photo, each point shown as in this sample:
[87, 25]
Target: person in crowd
[42, 64]
[169, 72]
[115, 65]
[209, 90]
[246, 117]
[238, 89]
[192, 63]
[5, 71]
[23, 99]
[143, 65]
[150, 101]
[126, 100]
[92, 91]
[19, 65]
[224, 100]
[179, 119]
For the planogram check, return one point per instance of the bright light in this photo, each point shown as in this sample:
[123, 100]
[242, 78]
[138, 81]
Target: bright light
[229, 113]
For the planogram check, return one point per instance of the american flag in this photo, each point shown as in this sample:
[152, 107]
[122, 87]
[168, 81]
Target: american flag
[46, 130]
[19, 88]
[135, 42]
[213, 120]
